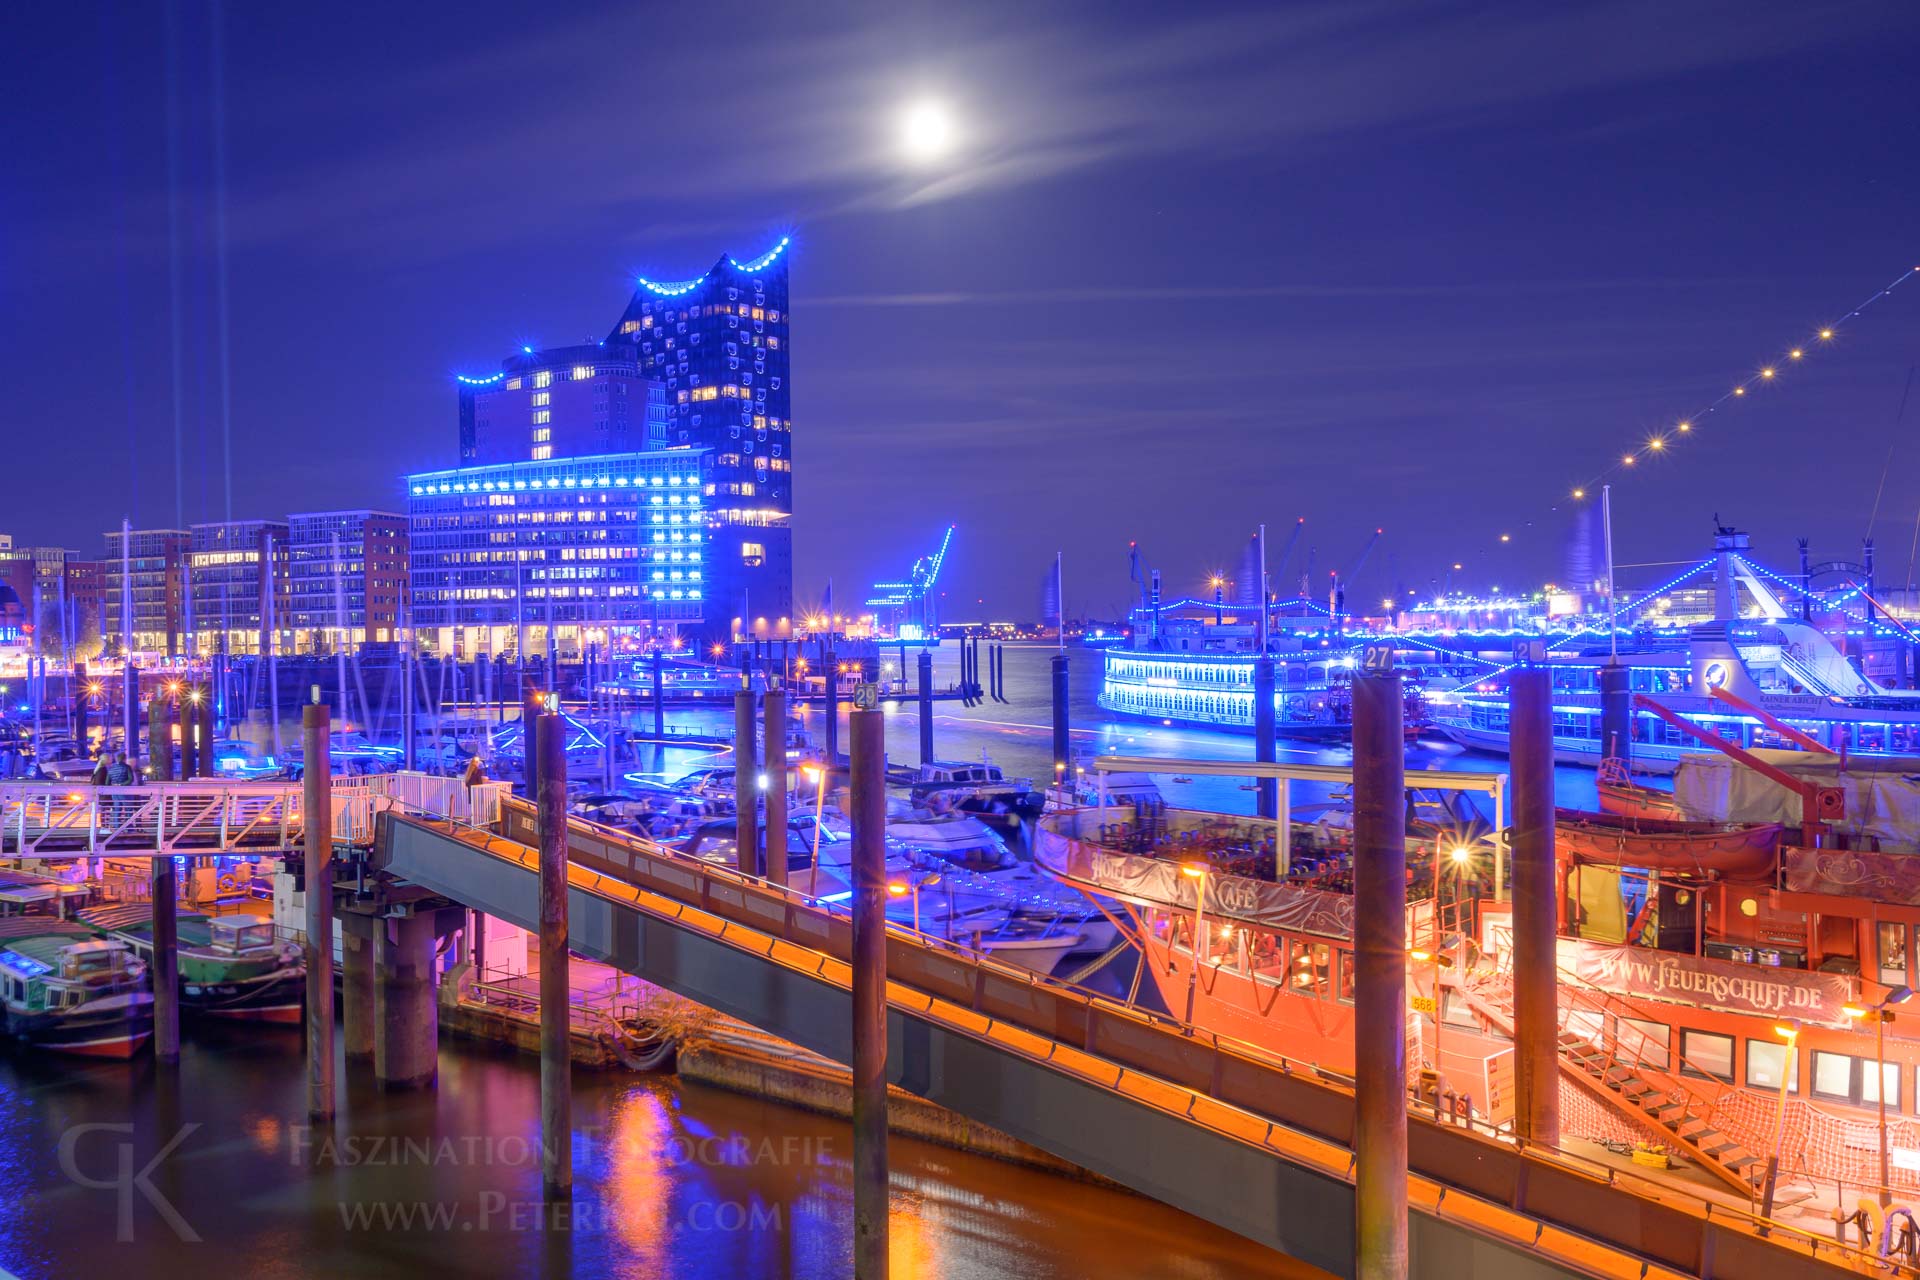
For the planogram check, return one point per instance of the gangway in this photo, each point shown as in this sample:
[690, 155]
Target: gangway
[214, 816]
[1249, 1140]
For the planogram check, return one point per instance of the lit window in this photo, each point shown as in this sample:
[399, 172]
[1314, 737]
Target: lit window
[542, 398]
[542, 452]
[542, 434]
[544, 378]
[581, 372]
[542, 417]
[752, 554]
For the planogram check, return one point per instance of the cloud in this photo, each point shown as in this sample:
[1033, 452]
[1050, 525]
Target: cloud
[631, 124]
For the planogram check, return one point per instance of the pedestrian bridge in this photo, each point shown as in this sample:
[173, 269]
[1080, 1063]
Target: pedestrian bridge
[1252, 1141]
[209, 816]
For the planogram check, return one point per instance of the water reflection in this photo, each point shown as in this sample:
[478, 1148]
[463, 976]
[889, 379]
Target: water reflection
[670, 1180]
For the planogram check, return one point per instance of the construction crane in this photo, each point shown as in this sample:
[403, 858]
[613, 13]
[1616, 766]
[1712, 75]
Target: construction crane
[910, 605]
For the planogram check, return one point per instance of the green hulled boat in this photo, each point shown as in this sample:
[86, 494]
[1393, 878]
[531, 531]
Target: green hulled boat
[230, 966]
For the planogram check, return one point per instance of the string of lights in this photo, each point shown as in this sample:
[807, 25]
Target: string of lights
[1767, 374]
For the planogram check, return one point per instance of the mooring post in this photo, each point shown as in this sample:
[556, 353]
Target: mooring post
[203, 736]
[357, 984]
[1264, 733]
[746, 786]
[775, 716]
[1061, 729]
[867, 767]
[532, 705]
[925, 673]
[1616, 713]
[159, 741]
[166, 961]
[556, 1012]
[317, 828]
[830, 669]
[1380, 977]
[659, 698]
[1536, 996]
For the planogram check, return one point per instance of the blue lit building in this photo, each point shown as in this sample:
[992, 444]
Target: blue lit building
[562, 402]
[560, 552]
[718, 346]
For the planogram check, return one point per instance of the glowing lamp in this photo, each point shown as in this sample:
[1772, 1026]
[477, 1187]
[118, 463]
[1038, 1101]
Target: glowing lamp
[1460, 854]
[1193, 871]
[897, 889]
[1825, 334]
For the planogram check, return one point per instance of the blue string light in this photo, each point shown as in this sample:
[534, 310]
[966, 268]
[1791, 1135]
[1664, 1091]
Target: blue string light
[478, 382]
[764, 260]
[679, 288]
[673, 290]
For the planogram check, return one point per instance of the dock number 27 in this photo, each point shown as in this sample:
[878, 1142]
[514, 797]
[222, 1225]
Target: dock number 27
[1377, 659]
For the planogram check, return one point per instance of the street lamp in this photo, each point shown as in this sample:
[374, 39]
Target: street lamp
[913, 886]
[1881, 1014]
[816, 774]
[1789, 1032]
[1197, 872]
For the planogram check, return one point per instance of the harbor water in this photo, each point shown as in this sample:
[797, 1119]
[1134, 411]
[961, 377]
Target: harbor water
[116, 1169]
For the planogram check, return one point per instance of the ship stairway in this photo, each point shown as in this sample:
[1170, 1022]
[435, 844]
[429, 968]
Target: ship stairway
[1684, 1112]
[1802, 675]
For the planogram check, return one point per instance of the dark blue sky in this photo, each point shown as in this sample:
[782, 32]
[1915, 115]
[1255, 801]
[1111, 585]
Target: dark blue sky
[1420, 266]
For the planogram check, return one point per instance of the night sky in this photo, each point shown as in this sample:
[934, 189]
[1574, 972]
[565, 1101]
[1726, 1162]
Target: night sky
[1418, 266]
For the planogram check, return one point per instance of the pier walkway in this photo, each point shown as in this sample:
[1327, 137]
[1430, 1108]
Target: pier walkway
[1246, 1139]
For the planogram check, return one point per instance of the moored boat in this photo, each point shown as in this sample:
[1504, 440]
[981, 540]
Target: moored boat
[230, 966]
[65, 988]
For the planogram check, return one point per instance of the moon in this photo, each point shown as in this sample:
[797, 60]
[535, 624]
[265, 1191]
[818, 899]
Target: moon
[927, 131]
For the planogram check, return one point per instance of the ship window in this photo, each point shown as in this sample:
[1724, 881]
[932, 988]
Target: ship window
[1706, 1054]
[1345, 994]
[1893, 954]
[1764, 1063]
[1322, 968]
[1842, 1078]
[1644, 1044]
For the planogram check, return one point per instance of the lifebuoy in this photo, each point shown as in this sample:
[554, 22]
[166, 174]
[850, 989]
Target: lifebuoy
[228, 884]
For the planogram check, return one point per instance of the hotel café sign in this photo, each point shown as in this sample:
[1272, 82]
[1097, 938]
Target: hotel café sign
[1719, 985]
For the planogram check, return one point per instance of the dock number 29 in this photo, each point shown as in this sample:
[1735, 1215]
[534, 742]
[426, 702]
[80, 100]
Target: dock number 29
[1377, 659]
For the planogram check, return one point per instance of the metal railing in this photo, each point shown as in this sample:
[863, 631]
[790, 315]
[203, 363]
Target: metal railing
[205, 816]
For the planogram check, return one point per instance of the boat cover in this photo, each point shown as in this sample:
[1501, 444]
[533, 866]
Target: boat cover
[1882, 792]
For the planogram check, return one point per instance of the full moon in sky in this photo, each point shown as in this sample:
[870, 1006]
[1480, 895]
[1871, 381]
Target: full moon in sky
[927, 131]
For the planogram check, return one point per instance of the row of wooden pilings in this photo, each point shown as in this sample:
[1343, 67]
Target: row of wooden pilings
[1380, 990]
[1380, 950]
[400, 1023]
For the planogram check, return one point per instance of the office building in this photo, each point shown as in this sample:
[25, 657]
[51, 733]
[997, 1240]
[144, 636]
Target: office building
[346, 579]
[566, 402]
[559, 553]
[231, 567]
[155, 562]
